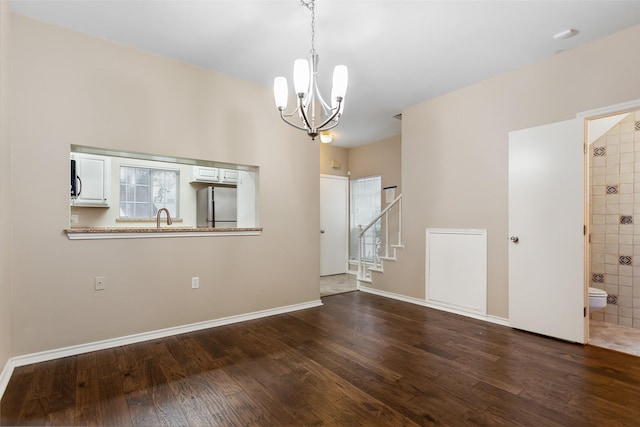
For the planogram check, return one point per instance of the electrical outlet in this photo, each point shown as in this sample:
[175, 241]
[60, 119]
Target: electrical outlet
[74, 219]
[195, 282]
[100, 283]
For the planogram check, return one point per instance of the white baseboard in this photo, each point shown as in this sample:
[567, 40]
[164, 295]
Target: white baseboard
[5, 376]
[43, 356]
[484, 317]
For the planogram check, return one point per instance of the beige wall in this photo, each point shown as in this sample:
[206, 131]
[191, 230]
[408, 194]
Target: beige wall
[379, 158]
[454, 149]
[330, 153]
[5, 189]
[73, 89]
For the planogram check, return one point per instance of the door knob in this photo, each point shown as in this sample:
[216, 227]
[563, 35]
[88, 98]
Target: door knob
[515, 239]
[321, 231]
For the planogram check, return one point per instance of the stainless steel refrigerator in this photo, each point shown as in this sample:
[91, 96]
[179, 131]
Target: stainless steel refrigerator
[217, 207]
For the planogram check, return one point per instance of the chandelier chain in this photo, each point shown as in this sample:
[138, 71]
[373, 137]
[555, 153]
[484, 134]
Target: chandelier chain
[310, 4]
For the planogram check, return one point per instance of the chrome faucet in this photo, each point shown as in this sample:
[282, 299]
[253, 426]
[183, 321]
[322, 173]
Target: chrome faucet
[169, 222]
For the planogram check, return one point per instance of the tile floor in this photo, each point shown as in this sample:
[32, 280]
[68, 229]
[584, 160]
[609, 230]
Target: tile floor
[337, 284]
[614, 337]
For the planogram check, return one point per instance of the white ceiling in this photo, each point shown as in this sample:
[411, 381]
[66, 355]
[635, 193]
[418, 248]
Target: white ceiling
[399, 53]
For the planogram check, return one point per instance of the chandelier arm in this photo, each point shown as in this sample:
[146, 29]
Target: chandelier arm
[333, 116]
[329, 127]
[326, 109]
[283, 117]
[291, 114]
[324, 104]
[303, 115]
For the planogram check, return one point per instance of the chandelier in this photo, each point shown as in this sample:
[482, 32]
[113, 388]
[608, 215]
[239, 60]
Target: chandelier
[314, 114]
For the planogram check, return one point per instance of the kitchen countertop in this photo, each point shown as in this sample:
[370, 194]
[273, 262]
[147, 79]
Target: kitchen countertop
[84, 233]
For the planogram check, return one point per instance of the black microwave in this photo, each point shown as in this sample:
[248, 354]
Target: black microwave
[76, 183]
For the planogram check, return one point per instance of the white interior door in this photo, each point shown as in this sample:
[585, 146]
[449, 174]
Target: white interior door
[334, 213]
[546, 217]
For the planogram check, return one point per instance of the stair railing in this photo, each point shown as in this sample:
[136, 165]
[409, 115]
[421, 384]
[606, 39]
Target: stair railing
[374, 262]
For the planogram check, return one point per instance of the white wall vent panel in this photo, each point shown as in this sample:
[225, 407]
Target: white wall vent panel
[456, 269]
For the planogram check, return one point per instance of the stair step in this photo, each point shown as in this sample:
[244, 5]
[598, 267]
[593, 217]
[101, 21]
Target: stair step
[378, 269]
[355, 263]
[388, 258]
[364, 279]
[397, 246]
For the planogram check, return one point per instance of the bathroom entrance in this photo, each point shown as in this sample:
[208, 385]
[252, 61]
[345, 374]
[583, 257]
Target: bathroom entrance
[613, 154]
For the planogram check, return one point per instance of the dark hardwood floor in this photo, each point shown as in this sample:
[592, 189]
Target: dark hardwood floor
[358, 360]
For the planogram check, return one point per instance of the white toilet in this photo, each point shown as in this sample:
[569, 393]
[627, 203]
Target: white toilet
[597, 299]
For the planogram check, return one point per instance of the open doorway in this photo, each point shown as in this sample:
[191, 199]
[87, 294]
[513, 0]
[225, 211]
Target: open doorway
[613, 152]
[334, 214]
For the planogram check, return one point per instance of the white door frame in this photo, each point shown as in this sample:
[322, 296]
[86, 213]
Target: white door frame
[624, 107]
[597, 113]
[346, 214]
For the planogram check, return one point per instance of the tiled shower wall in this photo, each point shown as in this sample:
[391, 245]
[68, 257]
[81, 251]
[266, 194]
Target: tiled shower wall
[615, 221]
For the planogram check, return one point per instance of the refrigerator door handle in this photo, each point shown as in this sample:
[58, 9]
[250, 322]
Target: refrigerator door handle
[211, 218]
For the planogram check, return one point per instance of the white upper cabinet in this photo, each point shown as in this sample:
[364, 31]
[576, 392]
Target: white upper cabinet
[214, 175]
[93, 180]
[204, 174]
[229, 176]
